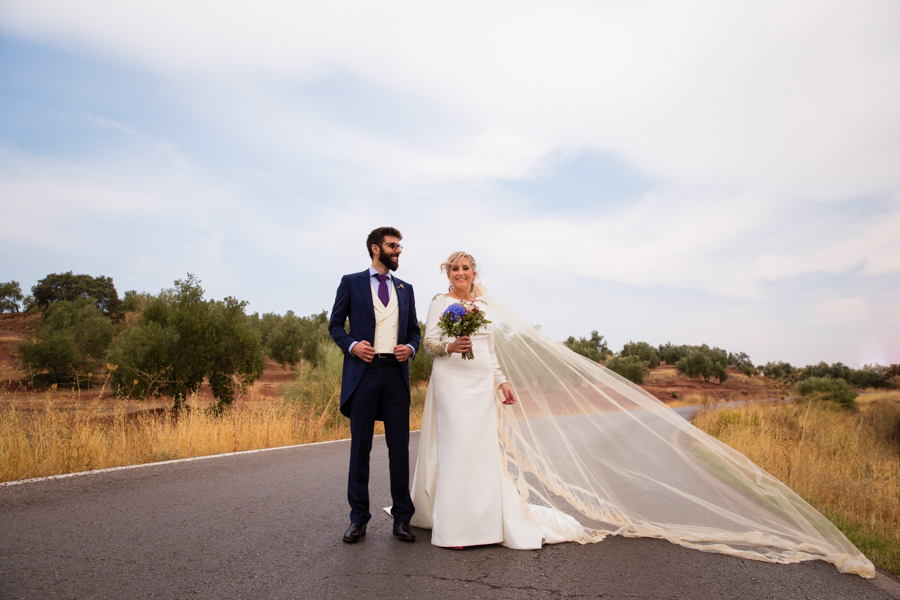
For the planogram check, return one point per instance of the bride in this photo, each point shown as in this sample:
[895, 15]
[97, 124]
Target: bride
[530, 443]
[459, 489]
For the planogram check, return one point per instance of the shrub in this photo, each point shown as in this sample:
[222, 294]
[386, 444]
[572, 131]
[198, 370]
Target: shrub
[642, 350]
[144, 367]
[778, 370]
[318, 389]
[182, 339]
[828, 388]
[58, 287]
[71, 339]
[10, 296]
[291, 339]
[671, 354]
[594, 348]
[420, 367]
[631, 368]
[703, 361]
[742, 361]
[696, 364]
[135, 301]
[870, 376]
[236, 359]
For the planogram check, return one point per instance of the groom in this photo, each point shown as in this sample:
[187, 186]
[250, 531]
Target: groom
[384, 335]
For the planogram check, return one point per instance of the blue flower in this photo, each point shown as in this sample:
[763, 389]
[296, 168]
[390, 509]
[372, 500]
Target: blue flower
[454, 313]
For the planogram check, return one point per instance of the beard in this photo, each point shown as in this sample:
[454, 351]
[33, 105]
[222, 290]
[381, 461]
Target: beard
[386, 260]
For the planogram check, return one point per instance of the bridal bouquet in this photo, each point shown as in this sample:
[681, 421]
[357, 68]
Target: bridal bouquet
[462, 318]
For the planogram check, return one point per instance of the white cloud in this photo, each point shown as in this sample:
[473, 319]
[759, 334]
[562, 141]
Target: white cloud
[748, 120]
[874, 247]
[838, 312]
[759, 94]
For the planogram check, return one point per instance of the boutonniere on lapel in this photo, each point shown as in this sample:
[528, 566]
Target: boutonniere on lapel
[400, 286]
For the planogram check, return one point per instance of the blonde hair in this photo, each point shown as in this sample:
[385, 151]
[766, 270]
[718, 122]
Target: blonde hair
[477, 288]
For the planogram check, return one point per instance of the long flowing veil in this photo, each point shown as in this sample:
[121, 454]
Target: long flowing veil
[590, 444]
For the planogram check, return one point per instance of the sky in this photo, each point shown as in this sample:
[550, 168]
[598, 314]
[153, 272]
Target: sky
[693, 172]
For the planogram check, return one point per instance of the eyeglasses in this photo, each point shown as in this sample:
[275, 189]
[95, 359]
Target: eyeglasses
[393, 246]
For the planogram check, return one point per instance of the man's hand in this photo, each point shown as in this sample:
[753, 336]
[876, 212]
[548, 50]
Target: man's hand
[364, 351]
[402, 352]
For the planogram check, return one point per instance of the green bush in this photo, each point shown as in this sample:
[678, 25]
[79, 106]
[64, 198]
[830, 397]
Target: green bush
[420, 367]
[778, 370]
[594, 348]
[291, 339]
[318, 389]
[696, 364]
[870, 376]
[642, 350]
[71, 339]
[134, 301]
[631, 368]
[10, 296]
[236, 359]
[144, 367]
[828, 388]
[671, 354]
[742, 361]
[181, 339]
[58, 287]
[703, 361]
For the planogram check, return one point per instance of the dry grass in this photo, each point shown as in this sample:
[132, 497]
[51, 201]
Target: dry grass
[692, 400]
[846, 464]
[66, 436]
[662, 375]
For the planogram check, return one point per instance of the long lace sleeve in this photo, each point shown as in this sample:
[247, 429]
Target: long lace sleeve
[433, 343]
[499, 377]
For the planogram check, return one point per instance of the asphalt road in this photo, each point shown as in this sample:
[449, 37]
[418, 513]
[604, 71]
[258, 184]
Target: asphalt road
[267, 525]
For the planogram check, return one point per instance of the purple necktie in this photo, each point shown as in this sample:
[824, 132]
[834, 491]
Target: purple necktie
[382, 288]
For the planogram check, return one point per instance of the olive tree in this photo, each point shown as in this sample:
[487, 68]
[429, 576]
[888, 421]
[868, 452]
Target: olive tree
[703, 361]
[642, 350]
[630, 367]
[10, 296]
[291, 339]
[182, 339]
[779, 370]
[594, 348]
[70, 341]
[58, 287]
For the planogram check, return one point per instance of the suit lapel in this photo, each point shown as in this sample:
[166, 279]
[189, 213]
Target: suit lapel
[364, 288]
[401, 300]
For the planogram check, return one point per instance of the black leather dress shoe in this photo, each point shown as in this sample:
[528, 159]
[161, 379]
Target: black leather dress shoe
[403, 532]
[354, 533]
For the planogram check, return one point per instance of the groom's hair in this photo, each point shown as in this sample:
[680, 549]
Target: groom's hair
[377, 237]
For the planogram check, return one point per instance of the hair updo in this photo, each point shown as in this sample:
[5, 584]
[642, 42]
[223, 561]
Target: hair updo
[477, 288]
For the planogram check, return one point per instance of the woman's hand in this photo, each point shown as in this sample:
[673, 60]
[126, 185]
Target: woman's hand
[461, 344]
[508, 396]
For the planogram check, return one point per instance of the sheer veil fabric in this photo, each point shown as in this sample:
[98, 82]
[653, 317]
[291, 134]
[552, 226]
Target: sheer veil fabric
[587, 443]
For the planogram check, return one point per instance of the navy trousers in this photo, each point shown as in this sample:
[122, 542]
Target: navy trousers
[381, 395]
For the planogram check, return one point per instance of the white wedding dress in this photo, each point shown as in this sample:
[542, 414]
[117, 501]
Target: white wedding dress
[584, 454]
[460, 490]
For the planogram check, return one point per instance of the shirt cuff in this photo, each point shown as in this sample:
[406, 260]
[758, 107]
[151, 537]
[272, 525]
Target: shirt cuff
[350, 349]
[410, 347]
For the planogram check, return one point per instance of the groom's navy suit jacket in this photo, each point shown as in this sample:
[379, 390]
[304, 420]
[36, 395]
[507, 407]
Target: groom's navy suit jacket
[354, 301]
